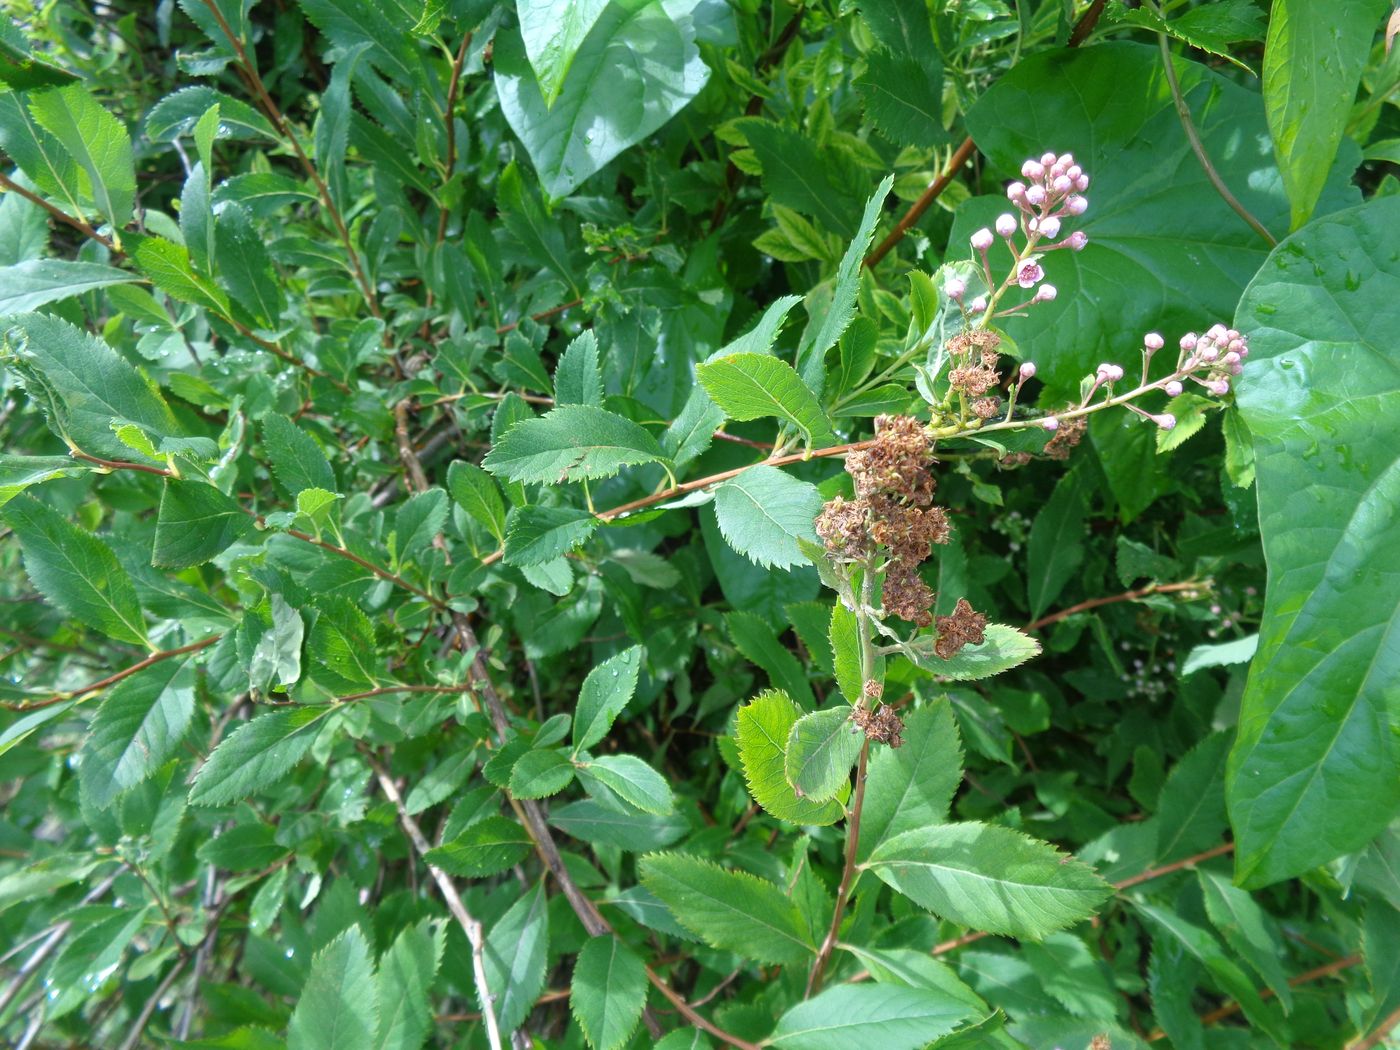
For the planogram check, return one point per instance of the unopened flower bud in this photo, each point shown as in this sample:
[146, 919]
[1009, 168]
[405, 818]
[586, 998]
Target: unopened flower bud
[1078, 239]
[982, 239]
[1207, 352]
[1081, 183]
[1029, 275]
[1173, 389]
[1006, 224]
[1231, 358]
[1066, 159]
[1033, 169]
[1051, 423]
[1056, 170]
[1062, 184]
[1027, 370]
[1035, 195]
[955, 288]
[1048, 158]
[1231, 335]
[1166, 420]
[1077, 205]
[1048, 227]
[1153, 341]
[1045, 293]
[1074, 171]
[1236, 368]
[1219, 387]
[1235, 345]
[1016, 193]
[1219, 333]
[1110, 372]
[977, 305]
[1188, 341]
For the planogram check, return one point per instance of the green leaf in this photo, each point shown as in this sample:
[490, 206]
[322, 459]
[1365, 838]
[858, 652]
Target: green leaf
[296, 459]
[75, 570]
[1315, 770]
[821, 749]
[571, 443]
[244, 266]
[243, 847]
[342, 645]
[476, 492]
[1002, 648]
[488, 847]
[1223, 654]
[1056, 550]
[38, 282]
[179, 112]
[763, 728]
[168, 266]
[196, 522]
[751, 386]
[1211, 27]
[912, 786]
[604, 694]
[764, 511]
[405, 978]
[539, 774]
[553, 31]
[902, 99]
[20, 70]
[846, 647]
[577, 378]
[636, 68]
[884, 1015]
[754, 637]
[634, 780]
[139, 725]
[608, 992]
[535, 534]
[91, 384]
[1313, 59]
[1191, 807]
[824, 184]
[729, 909]
[418, 521]
[1249, 930]
[990, 878]
[339, 1005]
[97, 141]
[514, 959]
[256, 755]
[537, 233]
[625, 827]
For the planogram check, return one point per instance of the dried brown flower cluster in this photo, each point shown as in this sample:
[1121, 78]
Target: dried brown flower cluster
[1068, 434]
[975, 355]
[964, 627]
[883, 726]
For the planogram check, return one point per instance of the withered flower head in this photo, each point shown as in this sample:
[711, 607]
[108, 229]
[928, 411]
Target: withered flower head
[1067, 435]
[964, 627]
[986, 407]
[883, 726]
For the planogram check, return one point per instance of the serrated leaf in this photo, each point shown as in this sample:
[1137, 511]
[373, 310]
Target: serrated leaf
[476, 492]
[608, 991]
[577, 378]
[902, 99]
[404, 980]
[605, 692]
[754, 637]
[339, 1006]
[632, 779]
[196, 522]
[296, 459]
[243, 847]
[514, 958]
[539, 774]
[168, 266]
[990, 878]
[535, 534]
[846, 646]
[139, 725]
[764, 511]
[763, 728]
[752, 386]
[179, 112]
[342, 645]
[38, 282]
[571, 443]
[821, 749]
[75, 570]
[418, 521]
[17, 473]
[256, 755]
[97, 141]
[884, 1015]
[1002, 648]
[485, 848]
[912, 786]
[729, 909]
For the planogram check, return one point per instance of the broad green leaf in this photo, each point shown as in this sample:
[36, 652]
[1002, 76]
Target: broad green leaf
[821, 748]
[604, 694]
[179, 112]
[243, 847]
[729, 909]
[764, 511]
[488, 847]
[625, 827]
[752, 386]
[902, 99]
[1165, 252]
[40, 155]
[535, 534]
[418, 521]
[608, 991]
[634, 780]
[20, 70]
[635, 70]
[825, 184]
[75, 570]
[571, 443]
[514, 959]
[1313, 60]
[754, 637]
[386, 28]
[577, 378]
[342, 645]
[17, 473]
[197, 218]
[912, 786]
[256, 755]
[405, 979]
[296, 459]
[139, 725]
[245, 268]
[339, 1004]
[916, 969]
[168, 266]
[846, 647]
[990, 878]
[1070, 973]
[88, 957]
[1210, 27]
[1056, 546]
[541, 773]
[1191, 808]
[524, 216]
[1315, 769]
[476, 492]
[887, 1016]
[97, 141]
[764, 726]
[30, 285]
[1002, 648]
[553, 31]
[91, 385]
[1249, 930]
[196, 522]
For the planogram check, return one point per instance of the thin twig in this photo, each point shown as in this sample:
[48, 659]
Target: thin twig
[1167, 869]
[541, 316]
[138, 1027]
[1390, 1024]
[917, 209]
[451, 162]
[112, 679]
[694, 1017]
[1126, 596]
[58, 213]
[848, 874]
[1198, 147]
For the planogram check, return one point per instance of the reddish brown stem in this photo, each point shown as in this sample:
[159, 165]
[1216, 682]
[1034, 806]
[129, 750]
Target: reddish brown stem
[62, 216]
[1392, 1022]
[452, 85]
[917, 209]
[1167, 869]
[93, 687]
[848, 875]
[1126, 596]
[542, 315]
[118, 464]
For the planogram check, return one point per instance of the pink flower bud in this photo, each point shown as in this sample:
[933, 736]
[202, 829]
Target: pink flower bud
[1110, 372]
[1074, 171]
[955, 288]
[982, 239]
[977, 305]
[1051, 423]
[1045, 293]
[1235, 345]
[1188, 341]
[1166, 420]
[1062, 184]
[1033, 169]
[1173, 389]
[1236, 368]
[1016, 193]
[1056, 170]
[1081, 183]
[1231, 335]
[1231, 358]
[1027, 370]
[1219, 387]
[1219, 333]
[1048, 158]
[1066, 159]
[1007, 225]
[1153, 341]
[1077, 205]
[1048, 227]
[1029, 275]
[1078, 239]
[1035, 195]
[1209, 353]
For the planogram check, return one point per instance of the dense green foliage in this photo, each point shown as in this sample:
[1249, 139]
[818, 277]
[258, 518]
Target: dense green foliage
[553, 523]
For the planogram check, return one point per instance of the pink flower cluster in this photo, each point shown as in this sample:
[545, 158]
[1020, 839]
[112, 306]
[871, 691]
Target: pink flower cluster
[1209, 360]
